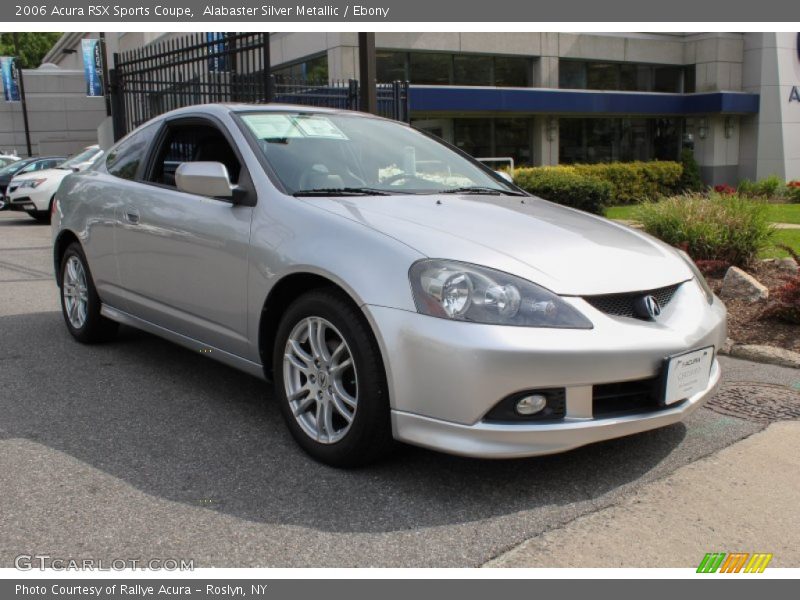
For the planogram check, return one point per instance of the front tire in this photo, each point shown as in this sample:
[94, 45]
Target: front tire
[80, 303]
[330, 381]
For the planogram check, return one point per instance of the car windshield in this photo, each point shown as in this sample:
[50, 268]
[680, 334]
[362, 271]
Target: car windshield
[353, 155]
[13, 167]
[82, 157]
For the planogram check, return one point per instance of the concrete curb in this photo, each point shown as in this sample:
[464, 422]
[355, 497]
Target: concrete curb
[762, 354]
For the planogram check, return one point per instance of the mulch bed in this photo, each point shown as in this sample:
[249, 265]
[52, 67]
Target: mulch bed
[744, 324]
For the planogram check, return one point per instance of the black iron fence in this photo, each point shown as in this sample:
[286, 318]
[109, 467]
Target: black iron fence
[223, 67]
[392, 97]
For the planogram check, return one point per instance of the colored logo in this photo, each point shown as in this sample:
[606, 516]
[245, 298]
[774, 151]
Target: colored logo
[736, 562]
[10, 77]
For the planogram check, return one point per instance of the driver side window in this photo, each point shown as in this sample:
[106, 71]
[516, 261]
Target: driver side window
[192, 142]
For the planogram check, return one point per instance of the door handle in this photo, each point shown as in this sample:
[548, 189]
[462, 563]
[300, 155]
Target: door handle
[132, 216]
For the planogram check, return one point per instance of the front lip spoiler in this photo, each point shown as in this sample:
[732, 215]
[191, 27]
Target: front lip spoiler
[491, 440]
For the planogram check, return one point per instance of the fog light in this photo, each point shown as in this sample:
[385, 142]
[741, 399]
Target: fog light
[530, 405]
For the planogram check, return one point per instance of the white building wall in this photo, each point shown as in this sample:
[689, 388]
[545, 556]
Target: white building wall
[771, 140]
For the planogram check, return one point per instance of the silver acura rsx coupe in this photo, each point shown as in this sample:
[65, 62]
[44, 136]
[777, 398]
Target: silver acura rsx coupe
[390, 286]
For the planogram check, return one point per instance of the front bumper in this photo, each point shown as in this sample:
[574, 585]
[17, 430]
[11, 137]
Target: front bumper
[493, 440]
[445, 376]
[20, 203]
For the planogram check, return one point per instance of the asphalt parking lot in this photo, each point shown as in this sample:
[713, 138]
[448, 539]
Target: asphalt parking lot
[140, 449]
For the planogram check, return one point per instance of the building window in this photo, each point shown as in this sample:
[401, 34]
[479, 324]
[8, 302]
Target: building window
[472, 70]
[594, 140]
[491, 138]
[391, 66]
[311, 69]
[602, 76]
[429, 68]
[438, 68]
[512, 137]
[512, 71]
[630, 77]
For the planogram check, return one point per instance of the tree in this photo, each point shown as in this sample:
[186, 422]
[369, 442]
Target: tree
[32, 46]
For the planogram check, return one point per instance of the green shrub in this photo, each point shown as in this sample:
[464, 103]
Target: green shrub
[716, 227]
[634, 182]
[563, 186]
[769, 187]
[690, 178]
[628, 183]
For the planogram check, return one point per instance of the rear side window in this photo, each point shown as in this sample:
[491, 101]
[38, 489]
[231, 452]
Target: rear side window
[125, 158]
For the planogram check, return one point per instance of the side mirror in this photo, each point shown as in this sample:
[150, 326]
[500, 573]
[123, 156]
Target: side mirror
[204, 179]
[506, 175]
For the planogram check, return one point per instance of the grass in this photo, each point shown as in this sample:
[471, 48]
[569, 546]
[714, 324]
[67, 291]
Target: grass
[787, 237]
[776, 213]
[620, 212]
[784, 213]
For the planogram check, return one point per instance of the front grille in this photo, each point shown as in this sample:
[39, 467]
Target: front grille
[11, 188]
[621, 305]
[627, 397]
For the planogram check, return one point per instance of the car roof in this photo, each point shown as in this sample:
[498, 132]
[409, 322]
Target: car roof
[223, 108]
[35, 158]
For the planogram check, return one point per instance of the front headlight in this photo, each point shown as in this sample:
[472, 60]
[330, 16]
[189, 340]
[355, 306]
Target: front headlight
[465, 292]
[701, 280]
[30, 183]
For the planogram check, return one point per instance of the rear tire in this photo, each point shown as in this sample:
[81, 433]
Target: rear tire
[80, 304]
[330, 381]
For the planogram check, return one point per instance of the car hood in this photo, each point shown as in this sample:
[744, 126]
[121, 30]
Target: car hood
[43, 174]
[567, 251]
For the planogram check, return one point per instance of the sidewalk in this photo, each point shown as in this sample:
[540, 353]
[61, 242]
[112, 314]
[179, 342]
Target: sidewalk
[744, 498]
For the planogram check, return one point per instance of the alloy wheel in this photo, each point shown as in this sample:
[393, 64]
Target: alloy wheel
[76, 292]
[320, 380]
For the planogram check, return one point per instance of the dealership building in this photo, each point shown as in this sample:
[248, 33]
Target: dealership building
[553, 98]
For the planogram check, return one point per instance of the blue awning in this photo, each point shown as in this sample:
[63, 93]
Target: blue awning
[424, 98]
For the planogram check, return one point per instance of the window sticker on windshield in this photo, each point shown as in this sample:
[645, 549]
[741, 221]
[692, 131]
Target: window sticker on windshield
[279, 127]
[319, 127]
[269, 127]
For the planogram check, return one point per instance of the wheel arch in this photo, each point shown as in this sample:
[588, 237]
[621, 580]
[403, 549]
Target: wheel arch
[281, 296]
[60, 245]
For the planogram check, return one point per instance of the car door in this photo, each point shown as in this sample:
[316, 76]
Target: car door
[103, 194]
[183, 257]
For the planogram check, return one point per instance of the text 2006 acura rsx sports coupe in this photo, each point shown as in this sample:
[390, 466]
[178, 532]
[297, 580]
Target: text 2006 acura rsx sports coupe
[390, 286]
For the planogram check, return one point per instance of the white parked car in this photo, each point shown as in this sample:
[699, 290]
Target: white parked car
[33, 192]
[7, 159]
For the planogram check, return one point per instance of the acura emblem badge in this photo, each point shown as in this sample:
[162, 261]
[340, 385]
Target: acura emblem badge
[647, 307]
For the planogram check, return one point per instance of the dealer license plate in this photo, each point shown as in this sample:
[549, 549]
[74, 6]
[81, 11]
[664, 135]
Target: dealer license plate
[687, 374]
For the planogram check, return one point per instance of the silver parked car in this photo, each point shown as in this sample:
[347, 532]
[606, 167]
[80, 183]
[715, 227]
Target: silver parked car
[391, 287]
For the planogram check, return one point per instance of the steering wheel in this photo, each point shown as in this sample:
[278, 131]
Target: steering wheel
[405, 176]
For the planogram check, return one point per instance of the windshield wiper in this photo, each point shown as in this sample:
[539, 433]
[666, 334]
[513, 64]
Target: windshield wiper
[477, 189]
[345, 191]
